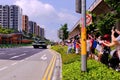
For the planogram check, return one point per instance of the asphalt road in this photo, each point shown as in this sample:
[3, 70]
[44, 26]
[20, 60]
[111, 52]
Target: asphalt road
[24, 63]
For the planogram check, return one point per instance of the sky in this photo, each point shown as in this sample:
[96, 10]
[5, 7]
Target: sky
[49, 14]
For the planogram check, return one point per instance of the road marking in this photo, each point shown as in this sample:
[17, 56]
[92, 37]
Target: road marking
[21, 60]
[14, 63]
[44, 57]
[3, 68]
[48, 68]
[18, 56]
[52, 67]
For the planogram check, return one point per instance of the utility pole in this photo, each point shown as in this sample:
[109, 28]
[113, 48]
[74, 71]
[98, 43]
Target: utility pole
[83, 38]
[81, 8]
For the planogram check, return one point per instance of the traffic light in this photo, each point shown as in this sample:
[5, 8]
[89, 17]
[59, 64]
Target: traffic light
[78, 6]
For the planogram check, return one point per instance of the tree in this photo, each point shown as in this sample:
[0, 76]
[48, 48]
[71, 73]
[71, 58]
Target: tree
[105, 23]
[6, 30]
[115, 5]
[63, 32]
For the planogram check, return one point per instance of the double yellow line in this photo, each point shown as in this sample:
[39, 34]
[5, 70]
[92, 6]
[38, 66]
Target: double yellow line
[50, 68]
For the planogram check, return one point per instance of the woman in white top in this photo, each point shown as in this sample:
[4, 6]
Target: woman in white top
[115, 41]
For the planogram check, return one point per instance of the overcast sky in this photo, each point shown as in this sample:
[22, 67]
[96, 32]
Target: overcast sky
[50, 14]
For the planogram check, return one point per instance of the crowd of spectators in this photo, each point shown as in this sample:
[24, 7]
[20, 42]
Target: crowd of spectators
[107, 48]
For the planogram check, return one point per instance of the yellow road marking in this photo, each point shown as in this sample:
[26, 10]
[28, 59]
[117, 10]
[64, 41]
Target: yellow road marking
[48, 68]
[52, 67]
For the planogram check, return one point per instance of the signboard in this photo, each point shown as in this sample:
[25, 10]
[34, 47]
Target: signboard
[88, 19]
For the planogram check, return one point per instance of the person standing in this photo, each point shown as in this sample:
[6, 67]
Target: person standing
[115, 41]
[69, 44]
[77, 47]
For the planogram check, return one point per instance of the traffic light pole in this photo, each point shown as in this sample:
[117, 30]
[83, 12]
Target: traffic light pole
[83, 38]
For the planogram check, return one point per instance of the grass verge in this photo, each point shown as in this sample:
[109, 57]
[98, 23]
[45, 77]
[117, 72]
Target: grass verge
[71, 68]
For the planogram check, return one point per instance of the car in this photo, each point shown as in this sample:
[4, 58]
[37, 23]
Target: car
[39, 44]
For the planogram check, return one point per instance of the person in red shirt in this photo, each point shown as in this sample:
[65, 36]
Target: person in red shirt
[77, 46]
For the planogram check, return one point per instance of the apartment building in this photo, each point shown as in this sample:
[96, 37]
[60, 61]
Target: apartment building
[32, 27]
[42, 32]
[36, 29]
[25, 23]
[4, 16]
[11, 17]
[15, 17]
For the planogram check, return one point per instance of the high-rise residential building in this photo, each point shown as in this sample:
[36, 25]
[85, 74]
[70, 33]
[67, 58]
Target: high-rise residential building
[25, 23]
[15, 17]
[11, 17]
[32, 27]
[35, 28]
[4, 16]
[38, 30]
[42, 32]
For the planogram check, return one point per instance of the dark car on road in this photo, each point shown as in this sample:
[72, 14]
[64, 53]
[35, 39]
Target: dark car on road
[39, 44]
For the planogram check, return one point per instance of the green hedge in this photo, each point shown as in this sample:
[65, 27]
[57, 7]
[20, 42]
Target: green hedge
[95, 71]
[71, 68]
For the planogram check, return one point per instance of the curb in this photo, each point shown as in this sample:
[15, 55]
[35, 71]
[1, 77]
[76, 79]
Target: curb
[57, 73]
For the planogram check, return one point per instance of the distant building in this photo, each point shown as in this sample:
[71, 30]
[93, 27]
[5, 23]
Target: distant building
[4, 16]
[15, 17]
[11, 17]
[42, 32]
[36, 29]
[32, 27]
[25, 23]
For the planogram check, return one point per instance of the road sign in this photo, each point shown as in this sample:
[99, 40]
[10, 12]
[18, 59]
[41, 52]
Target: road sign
[88, 19]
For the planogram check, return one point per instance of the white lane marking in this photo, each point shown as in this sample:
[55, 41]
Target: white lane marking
[12, 54]
[14, 63]
[3, 68]
[18, 56]
[44, 57]
[21, 60]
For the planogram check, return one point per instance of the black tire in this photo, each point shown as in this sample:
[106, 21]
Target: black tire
[45, 47]
[36, 46]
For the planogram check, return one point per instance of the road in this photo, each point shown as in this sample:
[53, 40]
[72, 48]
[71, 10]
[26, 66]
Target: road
[24, 63]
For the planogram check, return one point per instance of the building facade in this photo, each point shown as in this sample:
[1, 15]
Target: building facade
[42, 32]
[11, 17]
[4, 16]
[15, 17]
[25, 23]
